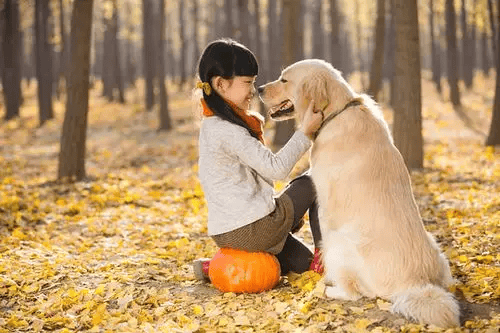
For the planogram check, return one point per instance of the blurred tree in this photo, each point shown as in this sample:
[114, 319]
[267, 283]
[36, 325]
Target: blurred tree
[11, 58]
[43, 61]
[407, 125]
[378, 51]
[494, 134]
[274, 45]
[335, 41]
[435, 47]
[229, 20]
[183, 44]
[130, 59]
[243, 23]
[60, 79]
[257, 38]
[467, 48]
[493, 28]
[74, 131]
[165, 120]
[291, 11]
[196, 27]
[317, 29]
[148, 51]
[452, 52]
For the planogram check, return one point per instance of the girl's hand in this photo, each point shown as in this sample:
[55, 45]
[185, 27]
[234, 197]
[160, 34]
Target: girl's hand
[312, 120]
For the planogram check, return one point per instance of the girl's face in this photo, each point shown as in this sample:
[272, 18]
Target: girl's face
[239, 90]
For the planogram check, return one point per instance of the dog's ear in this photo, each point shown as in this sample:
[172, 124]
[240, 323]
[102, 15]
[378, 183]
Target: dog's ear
[317, 86]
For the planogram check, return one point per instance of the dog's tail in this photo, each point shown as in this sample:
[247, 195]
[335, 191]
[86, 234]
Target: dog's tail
[428, 304]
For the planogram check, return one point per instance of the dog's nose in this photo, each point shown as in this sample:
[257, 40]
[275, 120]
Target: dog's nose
[260, 89]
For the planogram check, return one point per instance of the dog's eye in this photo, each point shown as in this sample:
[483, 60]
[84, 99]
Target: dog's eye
[284, 81]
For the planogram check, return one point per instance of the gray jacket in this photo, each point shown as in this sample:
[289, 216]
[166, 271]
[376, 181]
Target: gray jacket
[237, 172]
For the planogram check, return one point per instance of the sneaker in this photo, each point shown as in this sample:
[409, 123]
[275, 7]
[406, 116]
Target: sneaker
[200, 269]
[317, 262]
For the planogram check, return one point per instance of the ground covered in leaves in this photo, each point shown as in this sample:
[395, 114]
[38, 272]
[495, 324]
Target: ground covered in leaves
[113, 253]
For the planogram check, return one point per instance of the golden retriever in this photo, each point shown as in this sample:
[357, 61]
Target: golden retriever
[374, 241]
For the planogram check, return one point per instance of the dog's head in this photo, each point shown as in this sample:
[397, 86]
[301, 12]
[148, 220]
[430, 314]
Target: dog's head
[301, 82]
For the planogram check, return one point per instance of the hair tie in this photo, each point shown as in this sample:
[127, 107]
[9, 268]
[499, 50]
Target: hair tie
[207, 89]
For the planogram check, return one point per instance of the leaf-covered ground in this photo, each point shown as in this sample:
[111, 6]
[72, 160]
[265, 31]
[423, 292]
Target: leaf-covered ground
[113, 253]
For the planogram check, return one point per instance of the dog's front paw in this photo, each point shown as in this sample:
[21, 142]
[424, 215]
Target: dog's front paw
[339, 293]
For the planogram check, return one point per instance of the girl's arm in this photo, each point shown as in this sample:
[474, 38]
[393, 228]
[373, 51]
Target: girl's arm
[275, 166]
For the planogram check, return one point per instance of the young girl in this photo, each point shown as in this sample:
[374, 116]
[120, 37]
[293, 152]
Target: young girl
[237, 171]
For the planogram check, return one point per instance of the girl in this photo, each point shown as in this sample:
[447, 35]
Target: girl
[237, 171]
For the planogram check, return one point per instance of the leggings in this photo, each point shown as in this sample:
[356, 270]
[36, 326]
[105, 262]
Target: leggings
[295, 256]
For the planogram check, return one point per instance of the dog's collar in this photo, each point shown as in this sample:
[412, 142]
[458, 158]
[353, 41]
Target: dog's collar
[354, 102]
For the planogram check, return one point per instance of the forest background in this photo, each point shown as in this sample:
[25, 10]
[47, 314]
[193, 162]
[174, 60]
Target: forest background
[101, 211]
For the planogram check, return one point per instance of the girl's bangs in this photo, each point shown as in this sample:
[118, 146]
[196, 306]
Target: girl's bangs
[245, 63]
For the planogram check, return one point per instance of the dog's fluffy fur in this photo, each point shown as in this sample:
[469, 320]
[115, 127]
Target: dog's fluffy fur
[374, 241]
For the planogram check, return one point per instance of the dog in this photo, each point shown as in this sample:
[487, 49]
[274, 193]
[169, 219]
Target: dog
[374, 241]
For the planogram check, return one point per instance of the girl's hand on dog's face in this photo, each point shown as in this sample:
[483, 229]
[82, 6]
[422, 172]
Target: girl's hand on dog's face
[312, 120]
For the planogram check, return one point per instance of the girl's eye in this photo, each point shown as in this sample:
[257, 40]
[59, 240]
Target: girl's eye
[284, 81]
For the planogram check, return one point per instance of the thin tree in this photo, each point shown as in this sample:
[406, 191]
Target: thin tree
[62, 50]
[196, 46]
[467, 48]
[452, 52]
[335, 42]
[148, 52]
[407, 126]
[165, 120]
[435, 48]
[11, 47]
[74, 131]
[291, 44]
[494, 30]
[229, 21]
[317, 28]
[378, 51]
[183, 46]
[494, 134]
[243, 23]
[117, 71]
[43, 61]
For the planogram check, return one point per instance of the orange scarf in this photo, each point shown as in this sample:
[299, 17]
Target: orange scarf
[254, 122]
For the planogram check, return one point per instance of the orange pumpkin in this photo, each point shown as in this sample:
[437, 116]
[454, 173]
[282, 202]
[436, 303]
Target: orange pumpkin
[240, 271]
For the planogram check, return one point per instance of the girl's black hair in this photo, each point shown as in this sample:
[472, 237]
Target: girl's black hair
[226, 58]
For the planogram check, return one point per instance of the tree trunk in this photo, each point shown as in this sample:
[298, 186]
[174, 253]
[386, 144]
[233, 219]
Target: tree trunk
[407, 126]
[196, 45]
[335, 43]
[11, 58]
[493, 24]
[148, 61]
[258, 33]
[290, 14]
[273, 41]
[229, 22]
[452, 52]
[317, 33]
[183, 46]
[62, 51]
[391, 53]
[467, 49]
[117, 70]
[378, 51]
[165, 121]
[485, 56]
[494, 134]
[43, 61]
[107, 61]
[243, 23]
[74, 131]
[435, 49]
